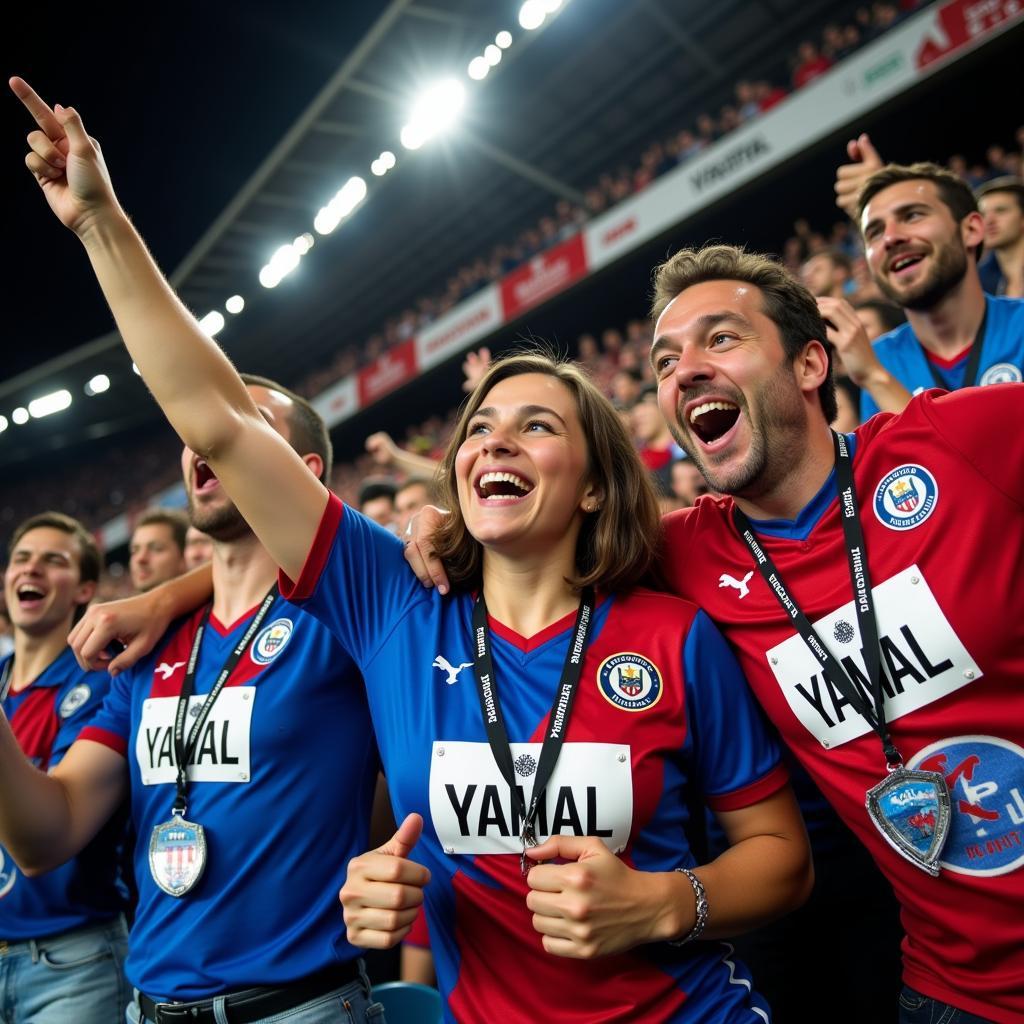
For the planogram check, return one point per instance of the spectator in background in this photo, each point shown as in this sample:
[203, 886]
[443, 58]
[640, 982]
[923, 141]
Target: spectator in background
[611, 343]
[653, 438]
[768, 95]
[626, 385]
[377, 502]
[878, 317]
[828, 272]
[198, 548]
[156, 552]
[811, 63]
[746, 100]
[409, 499]
[687, 481]
[1001, 204]
[707, 130]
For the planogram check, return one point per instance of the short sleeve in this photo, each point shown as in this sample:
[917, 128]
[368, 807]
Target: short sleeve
[80, 705]
[738, 759]
[111, 723]
[355, 581]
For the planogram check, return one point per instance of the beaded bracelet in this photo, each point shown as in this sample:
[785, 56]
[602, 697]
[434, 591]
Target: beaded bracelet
[702, 910]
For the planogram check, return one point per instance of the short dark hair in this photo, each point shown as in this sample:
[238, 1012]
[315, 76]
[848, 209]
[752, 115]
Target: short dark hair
[891, 315]
[837, 256]
[309, 434]
[90, 558]
[1007, 183]
[173, 518]
[787, 303]
[953, 190]
[376, 487]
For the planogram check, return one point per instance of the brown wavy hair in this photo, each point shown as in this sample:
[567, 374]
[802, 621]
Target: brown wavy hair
[618, 543]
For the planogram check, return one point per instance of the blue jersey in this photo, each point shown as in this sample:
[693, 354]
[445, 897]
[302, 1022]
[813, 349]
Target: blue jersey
[46, 717]
[1002, 355]
[661, 710]
[282, 782]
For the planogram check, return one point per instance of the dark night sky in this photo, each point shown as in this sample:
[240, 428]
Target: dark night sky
[186, 100]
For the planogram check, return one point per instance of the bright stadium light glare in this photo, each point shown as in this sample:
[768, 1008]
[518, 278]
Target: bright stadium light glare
[3, 423]
[412, 136]
[97, 385]
[327, 219]
[532, 14]
[235, 304]
[503, 39]
[20, 416]
[47, 405]
[550, 6]
[303, 244]
[478, 69]
[212, 323]
[269, 277]
[492, 54]
[434, 112]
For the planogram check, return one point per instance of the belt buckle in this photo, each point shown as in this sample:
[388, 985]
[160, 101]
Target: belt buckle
[169, 1013]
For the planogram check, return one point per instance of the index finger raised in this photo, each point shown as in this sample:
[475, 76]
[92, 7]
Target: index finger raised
[35, 105]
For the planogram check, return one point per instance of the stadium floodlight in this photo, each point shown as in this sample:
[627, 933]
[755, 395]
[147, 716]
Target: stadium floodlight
[20, 416]
[378, 168]
[492, 54]
[269, 277]
[532, 14]
[97, 385]
[47, 405]
[235, 304]
[3, 423]
[478, 69]
[388, 159]
[212, 323]
[303, 244]
[503, 39]
[434, 112]
[345, 200]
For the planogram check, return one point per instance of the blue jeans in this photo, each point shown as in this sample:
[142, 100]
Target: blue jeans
[918, 1009]
[350, 1004]
[76, 976]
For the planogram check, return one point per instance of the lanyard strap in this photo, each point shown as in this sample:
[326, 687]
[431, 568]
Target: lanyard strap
[558, 720]
[183, 750]
[5, 679]
[973, 359]
[870, 706]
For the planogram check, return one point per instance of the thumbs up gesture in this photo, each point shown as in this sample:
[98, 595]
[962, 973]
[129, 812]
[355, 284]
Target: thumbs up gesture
[384, 890]
[850, 178]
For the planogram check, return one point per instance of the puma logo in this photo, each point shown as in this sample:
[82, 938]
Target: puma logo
[725, 580]
[445, 666]
[165, 670]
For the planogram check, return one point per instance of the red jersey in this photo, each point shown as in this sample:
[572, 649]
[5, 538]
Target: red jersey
[941, 494]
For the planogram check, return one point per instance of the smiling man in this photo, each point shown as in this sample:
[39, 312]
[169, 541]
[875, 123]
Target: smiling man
[157, 549]
[65, 931]
[865, 597]
[922, 235]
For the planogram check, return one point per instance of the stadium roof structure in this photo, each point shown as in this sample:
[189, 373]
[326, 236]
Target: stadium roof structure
[589, 91]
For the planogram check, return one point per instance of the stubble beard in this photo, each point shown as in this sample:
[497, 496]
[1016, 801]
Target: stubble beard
[949, 269]
[221, 522]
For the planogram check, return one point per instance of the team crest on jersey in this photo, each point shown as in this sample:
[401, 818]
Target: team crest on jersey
[629, 681]
[1001, 373]
[8, 874]
[73, 700]
[985, 775]
[906, 497]
[272, 641]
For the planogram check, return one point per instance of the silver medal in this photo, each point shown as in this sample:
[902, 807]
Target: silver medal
[177, 855]
[911, 810]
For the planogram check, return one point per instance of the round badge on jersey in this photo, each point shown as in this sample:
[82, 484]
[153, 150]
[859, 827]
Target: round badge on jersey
[906, 497]
[629, 681]
[272, 641]
[73, 700]
[8, 874]
[1001, 373]
[985, 775]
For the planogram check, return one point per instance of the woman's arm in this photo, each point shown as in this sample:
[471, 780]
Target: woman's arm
[598, 905]
[193, 381]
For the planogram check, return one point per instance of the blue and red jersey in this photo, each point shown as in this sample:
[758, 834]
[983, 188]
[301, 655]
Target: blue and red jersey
[1002, 355]
[661, 709]
[46, 718]
[281, 780]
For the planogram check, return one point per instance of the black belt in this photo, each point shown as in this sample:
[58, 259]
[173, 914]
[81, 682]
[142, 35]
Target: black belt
[253, 1004]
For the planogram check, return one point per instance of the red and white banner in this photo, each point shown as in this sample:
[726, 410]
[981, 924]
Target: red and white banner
[338, 402]
[459, 328]
[546, 274]
[394, 368]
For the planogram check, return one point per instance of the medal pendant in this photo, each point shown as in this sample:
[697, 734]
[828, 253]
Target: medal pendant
[177, 855]
[911, 810]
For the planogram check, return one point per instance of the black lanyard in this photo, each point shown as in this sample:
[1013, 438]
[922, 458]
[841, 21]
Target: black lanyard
[871, 707]
[558, 720]
[973, 359]
[183, 750]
